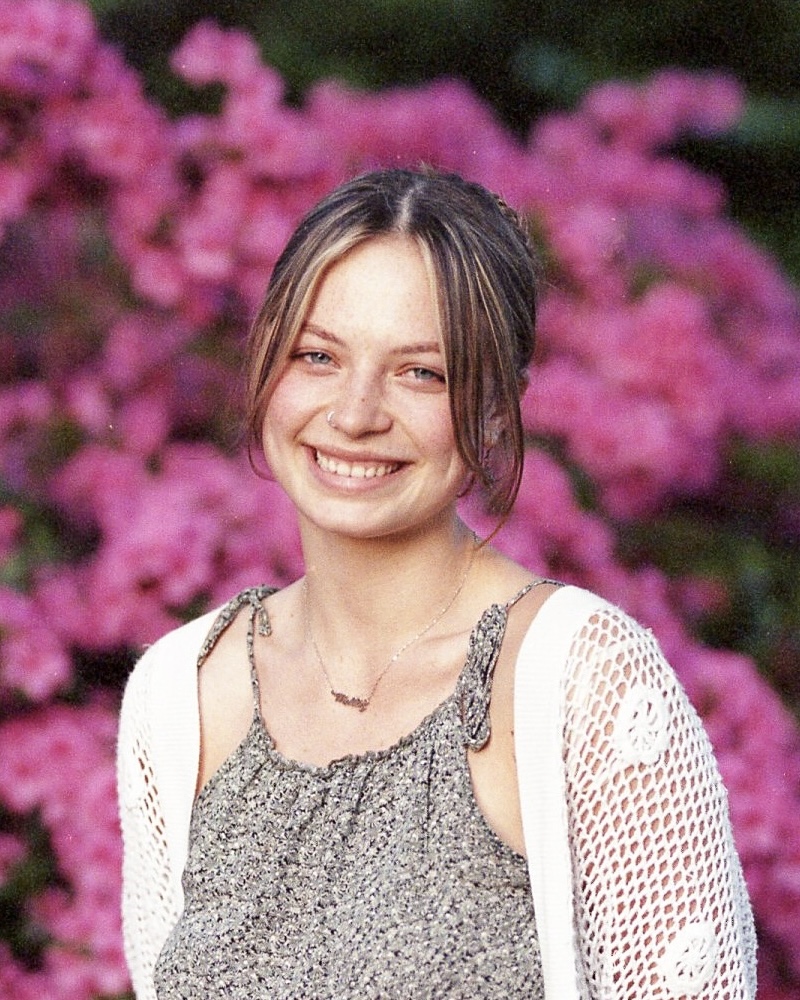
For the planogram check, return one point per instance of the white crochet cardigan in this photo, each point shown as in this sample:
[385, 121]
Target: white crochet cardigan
[637, 887]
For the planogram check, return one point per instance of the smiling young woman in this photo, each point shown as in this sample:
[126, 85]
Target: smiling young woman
[418, 771]
[358, 429]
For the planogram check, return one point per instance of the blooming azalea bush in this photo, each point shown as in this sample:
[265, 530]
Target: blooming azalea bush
[134, 249]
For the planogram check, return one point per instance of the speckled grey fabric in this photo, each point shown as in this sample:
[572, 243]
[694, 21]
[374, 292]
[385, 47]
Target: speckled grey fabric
[375, 876]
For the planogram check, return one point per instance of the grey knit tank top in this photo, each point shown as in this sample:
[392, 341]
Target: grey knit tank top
[375, 876]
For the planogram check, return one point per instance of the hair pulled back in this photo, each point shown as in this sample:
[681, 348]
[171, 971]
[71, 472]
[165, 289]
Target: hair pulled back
[485, 275]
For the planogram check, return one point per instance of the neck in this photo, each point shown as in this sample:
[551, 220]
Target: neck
[367, 605]
[361, 590]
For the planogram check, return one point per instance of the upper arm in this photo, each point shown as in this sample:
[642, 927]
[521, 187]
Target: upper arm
[661, 908]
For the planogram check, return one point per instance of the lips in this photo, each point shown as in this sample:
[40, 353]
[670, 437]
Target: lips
[354, 470]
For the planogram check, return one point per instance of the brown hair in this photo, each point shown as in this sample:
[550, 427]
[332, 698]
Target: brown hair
[485, 275]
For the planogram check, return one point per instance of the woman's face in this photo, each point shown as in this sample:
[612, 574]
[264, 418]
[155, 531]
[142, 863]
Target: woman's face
[370, 353]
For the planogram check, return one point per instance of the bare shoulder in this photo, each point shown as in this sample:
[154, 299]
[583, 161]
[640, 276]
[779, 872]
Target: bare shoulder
[493, 769]
[225, 698]
[226, 693]
[520, 617]
[525, 592]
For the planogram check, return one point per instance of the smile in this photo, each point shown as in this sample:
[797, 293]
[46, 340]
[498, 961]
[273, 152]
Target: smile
[354, 470]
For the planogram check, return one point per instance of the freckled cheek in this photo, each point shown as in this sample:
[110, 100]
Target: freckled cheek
[444, 444]
[281, 422]
[289, 406]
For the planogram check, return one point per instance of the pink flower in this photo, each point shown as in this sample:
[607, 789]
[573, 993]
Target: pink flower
[98, 485]
[210, 54]
[144, 421]
[588, 240]
[34, 660]
[25, 403]
[76, 801]
[671, 103]
[44, 44]
[403, 126]
[119, 140]
[157, 275]
[87, 403]
[139, 345]
[206, 236]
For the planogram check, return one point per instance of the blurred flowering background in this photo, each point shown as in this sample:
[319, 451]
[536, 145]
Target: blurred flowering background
[152, 163]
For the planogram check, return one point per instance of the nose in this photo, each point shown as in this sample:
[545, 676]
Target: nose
[360, 407]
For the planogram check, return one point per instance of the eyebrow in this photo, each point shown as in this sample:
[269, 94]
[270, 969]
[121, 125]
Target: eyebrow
[419, 347]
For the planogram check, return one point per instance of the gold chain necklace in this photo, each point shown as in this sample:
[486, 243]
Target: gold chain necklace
[362, 704]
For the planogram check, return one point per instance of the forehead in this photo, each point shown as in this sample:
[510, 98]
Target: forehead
[383, 284]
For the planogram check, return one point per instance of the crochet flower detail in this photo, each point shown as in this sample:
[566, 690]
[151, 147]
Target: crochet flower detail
[690, 959]
[640, 731]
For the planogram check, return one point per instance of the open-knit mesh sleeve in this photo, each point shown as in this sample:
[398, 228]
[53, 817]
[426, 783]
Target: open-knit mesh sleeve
[661, 909]
[150, 905]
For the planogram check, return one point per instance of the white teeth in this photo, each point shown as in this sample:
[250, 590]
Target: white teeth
[352, 470]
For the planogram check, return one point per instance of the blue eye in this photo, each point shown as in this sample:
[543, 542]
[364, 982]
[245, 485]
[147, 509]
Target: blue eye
[314, 357]
[426, 374]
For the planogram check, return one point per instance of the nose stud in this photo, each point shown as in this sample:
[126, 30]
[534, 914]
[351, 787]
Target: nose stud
[329, 418]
